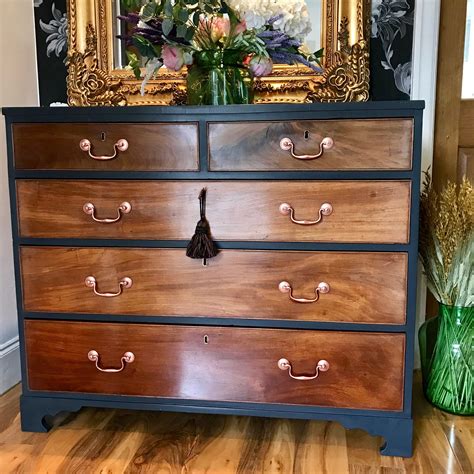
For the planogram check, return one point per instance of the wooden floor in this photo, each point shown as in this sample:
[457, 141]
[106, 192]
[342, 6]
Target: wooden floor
[116, 441]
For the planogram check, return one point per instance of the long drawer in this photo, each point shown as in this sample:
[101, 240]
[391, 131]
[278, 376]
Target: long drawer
[337, 286]
[221, 364]
[107, 146]
[347, 211]
[329, 145]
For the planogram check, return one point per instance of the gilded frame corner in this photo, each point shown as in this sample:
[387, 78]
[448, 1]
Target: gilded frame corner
[93, 81]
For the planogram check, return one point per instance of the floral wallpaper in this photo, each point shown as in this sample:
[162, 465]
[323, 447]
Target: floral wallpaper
[390, 43]
[51, 49]
[391, 48]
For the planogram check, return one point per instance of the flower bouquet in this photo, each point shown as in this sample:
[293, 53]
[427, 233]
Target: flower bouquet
[225, 44]
[447, 254]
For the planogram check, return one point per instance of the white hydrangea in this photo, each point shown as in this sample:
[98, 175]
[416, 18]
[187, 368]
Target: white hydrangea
[295, 21]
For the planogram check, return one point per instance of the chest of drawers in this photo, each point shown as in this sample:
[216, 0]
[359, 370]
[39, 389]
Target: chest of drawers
[306, 312]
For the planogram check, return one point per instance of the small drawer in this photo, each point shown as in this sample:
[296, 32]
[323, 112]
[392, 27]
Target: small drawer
[306, 145]
[283, 211]
[106, 146]
[343, 370]
[353, 287]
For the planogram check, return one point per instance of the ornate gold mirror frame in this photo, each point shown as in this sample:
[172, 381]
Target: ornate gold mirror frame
[93, 80]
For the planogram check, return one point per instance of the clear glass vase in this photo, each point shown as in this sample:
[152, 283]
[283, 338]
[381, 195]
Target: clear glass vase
[218, 77]
[447, 359]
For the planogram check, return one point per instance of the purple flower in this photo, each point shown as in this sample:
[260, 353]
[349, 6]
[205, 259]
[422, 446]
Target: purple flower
[275, 18]
[285, 50]
[152, 31]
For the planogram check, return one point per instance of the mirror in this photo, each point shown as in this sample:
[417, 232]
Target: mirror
[97, 60]
[313, 41]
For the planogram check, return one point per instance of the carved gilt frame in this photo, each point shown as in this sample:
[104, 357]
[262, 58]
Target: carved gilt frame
[93, 81]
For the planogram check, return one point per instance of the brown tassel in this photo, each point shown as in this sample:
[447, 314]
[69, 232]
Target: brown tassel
[201, 245]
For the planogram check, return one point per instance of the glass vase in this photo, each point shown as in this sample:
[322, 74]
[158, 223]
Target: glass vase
[447, 359]
[218, 77]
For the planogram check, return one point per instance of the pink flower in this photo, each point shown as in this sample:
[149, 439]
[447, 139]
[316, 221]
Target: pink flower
[260, 66]
[220, 27]
[240, 27]
[175, 58]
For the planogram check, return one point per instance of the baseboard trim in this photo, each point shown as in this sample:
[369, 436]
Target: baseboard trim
[8, 346]
[10, 373]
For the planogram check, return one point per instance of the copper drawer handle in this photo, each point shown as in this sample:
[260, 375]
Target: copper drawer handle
[125, 282]
[120, 145]
[321, 366]
[127, 358]
[325, 210]
[285, 287]
[124, 208]
[287, 144]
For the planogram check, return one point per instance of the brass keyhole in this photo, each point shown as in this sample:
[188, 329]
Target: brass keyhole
[306, 135]
[206, 339]
[102, 136]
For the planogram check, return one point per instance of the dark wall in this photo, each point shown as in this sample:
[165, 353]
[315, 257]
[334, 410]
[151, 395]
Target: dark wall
[390, 63]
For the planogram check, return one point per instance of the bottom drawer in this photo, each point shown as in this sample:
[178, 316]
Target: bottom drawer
[364, 370]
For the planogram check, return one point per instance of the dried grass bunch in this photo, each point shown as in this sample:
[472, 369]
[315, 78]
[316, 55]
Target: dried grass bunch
[447, 241]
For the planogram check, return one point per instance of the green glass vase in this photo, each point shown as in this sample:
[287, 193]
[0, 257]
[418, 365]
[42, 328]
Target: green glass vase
[447, 359]
[218, 77]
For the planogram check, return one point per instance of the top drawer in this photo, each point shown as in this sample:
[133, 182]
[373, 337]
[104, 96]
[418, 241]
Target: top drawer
[105, 146]
[356, 145]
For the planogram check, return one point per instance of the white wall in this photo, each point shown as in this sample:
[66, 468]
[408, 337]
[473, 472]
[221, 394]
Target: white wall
[18, 87]
[425, 60]
[468, 68]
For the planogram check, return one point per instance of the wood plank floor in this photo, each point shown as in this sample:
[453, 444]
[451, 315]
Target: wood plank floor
[122, 441]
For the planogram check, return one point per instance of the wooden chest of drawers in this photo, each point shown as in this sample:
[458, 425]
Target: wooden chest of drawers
[306, 312]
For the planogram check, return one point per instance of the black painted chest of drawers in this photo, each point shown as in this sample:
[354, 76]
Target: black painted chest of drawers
[308, 310]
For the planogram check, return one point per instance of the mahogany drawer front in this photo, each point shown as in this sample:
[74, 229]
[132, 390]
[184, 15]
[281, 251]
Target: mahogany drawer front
[236, 364]
[151, 146]
[357, 145]
[363, 287]
[362, 211]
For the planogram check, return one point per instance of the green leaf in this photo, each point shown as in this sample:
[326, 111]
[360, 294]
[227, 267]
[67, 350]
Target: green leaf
[168, 8]
[189, 33]
[183, 15]
[149, 11]
[167, 26]
[234, 20]
[319, 53]
[181, 31]
[134, 64]
[132, 5]
[145, 47]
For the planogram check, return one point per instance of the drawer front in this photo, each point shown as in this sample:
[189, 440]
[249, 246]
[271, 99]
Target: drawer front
[365, 370]
[362, 211]
[363, 287]
[356, 145]
[150, 147]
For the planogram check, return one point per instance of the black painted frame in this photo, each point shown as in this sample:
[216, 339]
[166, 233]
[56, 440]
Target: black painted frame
[395, 427]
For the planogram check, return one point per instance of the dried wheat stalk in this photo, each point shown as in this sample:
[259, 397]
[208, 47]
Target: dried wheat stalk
[447, 241]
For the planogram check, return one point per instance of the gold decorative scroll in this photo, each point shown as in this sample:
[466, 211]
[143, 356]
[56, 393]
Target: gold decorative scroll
[93, 81]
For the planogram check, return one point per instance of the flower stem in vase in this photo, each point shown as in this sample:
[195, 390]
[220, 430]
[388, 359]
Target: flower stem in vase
[449, 369]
